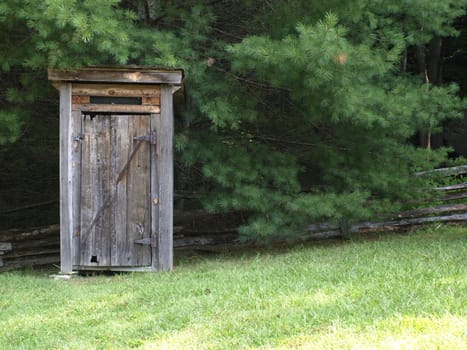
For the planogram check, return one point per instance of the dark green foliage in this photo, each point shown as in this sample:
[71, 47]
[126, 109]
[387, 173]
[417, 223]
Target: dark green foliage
[40, 34]
[293, 112]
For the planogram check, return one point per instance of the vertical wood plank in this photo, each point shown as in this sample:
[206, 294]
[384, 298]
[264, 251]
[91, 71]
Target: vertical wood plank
[66, 224]
[76, 184]
[132, 196]
[88, 179]
[165, 176]
[120, 154]
[138, 226]
[155, 125]
[103, 190]
[95, 240]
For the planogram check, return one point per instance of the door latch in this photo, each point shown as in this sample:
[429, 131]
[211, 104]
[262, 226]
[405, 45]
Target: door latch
[147, 241]
[151, 138]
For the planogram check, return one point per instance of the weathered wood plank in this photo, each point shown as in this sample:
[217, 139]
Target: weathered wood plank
[433, 210]
[457, 170]
[119, 75]
[103, 190]
[66, 140]
[165, 176]
[75, 186]
[37, 243]
[133, 90]
[155, 124]
[452, 187]
[120, 153]
[453, 196]
[5, 246]
[30, 206]
[138, 226]
[33, 251]
[123, 252]
[397, 224]
[94, 189]
[87, 208]
[115, 108]
[203, 240]
[30, 261]
[30, 234]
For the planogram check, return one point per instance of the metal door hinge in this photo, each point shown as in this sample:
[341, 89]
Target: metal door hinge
[147, 241]
[151, 138]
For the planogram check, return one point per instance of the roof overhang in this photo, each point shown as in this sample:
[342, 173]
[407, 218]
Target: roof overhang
[119, 75]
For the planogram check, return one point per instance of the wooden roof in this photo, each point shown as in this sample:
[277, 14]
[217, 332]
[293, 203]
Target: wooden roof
[119, 74]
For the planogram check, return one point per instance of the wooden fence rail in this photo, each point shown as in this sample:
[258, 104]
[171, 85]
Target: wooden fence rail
[199, 230]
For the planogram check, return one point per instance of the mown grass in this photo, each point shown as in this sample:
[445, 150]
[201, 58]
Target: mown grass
[397, 292]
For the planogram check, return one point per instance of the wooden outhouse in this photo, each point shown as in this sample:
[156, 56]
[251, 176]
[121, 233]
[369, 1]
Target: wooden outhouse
[116, 167]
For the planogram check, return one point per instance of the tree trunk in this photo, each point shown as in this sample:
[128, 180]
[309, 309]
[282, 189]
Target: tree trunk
[420, 53]
[434, 65]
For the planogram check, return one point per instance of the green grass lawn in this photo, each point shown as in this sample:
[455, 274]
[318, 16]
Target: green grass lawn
[397, 292]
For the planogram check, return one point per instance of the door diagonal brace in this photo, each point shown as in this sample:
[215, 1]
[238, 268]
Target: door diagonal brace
[151, 138]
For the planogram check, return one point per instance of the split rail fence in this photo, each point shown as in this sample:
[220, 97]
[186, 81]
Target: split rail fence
[198, 230]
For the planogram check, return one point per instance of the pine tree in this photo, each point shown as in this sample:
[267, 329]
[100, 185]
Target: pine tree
[293, 112]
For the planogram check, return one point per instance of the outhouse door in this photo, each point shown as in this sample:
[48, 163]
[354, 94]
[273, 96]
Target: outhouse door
[115, 190]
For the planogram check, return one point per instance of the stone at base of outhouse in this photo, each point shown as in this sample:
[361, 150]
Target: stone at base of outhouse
[64, 276]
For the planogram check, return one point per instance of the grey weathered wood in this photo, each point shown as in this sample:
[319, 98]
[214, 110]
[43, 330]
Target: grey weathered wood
[206, 239]
[397, 224]
[66, 134]
[109, 144]
[452, 187]
[97, 108]
[34, 245]
[103, 190]
[29, 206]
[33, 251]
[92, 191]
[457, 170]
[450, 208]
[322, 227]
[15, 235]
[132, 211]
[119, 75]
[139, 191]
[90, 198]
[165, 176]
[154, 200]
[30, 261]
[453, 196]
[75, 187]
[120, 154]
[5, 246]
[386, 226]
